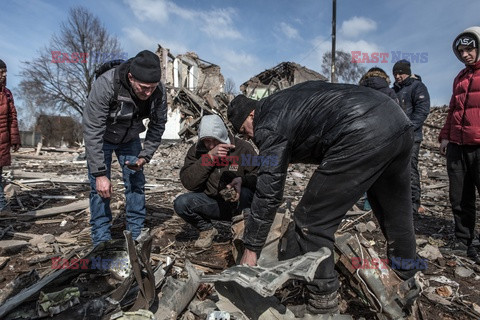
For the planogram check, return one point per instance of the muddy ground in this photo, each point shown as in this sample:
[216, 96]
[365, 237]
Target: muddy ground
[174, 238]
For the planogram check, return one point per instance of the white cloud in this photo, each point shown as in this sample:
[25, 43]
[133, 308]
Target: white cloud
[356, 26]
[240, 66]
[138, 40]
[217, 23]
[289, 31]
[321, 45]
[157, 10]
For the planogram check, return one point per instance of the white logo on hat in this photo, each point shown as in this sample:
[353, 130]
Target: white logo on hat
[466, 42]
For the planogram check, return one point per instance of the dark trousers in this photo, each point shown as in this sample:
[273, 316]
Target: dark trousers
[199, 210]
[384, 173]
[415, 177]
[463, 166]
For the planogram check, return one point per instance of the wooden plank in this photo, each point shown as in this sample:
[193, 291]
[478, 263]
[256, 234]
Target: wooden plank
[11, 246]
[43, 213]
[52, 177]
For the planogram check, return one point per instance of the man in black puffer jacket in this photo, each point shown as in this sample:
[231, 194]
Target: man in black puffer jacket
[415, 101]
[358, 148]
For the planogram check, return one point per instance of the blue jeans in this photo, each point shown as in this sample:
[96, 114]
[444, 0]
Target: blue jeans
[100, 213]
[198, 209]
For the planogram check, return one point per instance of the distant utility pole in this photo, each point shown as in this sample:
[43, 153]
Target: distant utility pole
[334, 22]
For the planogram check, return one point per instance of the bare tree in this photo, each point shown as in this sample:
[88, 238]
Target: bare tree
[62, 76]
[230, 87]
[346, 71]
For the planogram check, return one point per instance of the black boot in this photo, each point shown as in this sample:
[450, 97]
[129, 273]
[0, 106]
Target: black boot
[319, 303]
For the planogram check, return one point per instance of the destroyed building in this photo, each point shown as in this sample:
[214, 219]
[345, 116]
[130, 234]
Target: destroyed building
[192, 85]
[284, 75]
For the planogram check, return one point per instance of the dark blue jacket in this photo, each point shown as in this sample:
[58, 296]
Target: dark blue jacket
[414, 99]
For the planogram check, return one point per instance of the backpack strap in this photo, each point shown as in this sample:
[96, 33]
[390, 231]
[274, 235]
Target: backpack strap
[116, 88]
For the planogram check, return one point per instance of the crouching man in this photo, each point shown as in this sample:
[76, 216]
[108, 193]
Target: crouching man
[361, 141]
[219, 171]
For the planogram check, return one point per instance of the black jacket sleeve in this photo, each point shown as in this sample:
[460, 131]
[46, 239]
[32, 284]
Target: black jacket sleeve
[269, 188]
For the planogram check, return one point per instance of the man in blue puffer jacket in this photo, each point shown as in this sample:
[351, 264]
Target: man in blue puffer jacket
[414, 99]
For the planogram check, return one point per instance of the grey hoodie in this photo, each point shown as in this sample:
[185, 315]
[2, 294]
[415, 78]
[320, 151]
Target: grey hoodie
[212, 126]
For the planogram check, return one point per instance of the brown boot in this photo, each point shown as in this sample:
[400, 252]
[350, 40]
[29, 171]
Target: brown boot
[206, 238]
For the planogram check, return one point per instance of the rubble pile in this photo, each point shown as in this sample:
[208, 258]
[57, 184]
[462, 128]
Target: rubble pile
[48, 220]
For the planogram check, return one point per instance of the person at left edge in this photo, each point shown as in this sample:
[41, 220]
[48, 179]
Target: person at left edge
[112, 120]
[9, 135]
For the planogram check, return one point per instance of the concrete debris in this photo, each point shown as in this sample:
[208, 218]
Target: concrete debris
[463, 272]
[381, 287]
[371, 226]
[11, 246]
[134, 315]
[444, 280]
[176, 295]
[361, 227]
[284, 75]
[265, 281]
[430, 252]
[437, 299]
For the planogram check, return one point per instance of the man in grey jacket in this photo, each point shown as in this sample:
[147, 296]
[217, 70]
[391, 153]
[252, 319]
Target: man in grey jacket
[112, 120]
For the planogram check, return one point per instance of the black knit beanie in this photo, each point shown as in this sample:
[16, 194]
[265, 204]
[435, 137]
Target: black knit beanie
[402, 67]
[2, 64]
[239, 109]
[466, 40]
[145, 67]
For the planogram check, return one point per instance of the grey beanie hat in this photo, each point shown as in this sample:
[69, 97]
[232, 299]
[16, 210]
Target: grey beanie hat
[212, 126]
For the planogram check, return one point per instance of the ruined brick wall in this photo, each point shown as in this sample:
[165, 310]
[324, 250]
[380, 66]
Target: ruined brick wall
[210, 80]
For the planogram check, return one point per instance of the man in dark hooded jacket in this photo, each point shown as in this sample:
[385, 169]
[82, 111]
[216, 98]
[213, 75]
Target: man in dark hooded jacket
[217, 162]
[376, 78]
[414, 99]
[358, 148]
[112, 120]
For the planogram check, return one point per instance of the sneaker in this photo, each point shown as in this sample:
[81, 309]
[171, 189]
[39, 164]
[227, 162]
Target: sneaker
[205, 239]
[322, 303]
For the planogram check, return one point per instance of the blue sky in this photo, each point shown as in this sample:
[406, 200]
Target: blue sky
[246, 37]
